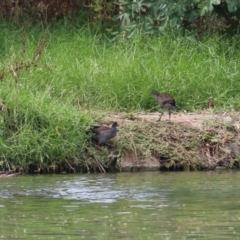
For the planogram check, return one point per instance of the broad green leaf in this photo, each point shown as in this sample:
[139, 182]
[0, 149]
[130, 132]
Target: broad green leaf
[216, 2]
[193, 15]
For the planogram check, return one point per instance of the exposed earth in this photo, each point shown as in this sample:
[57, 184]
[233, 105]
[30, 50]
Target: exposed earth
[198, 121]
[204, 140]
[191, 141]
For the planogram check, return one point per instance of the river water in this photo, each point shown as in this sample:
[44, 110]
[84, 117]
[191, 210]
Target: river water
[151, 205]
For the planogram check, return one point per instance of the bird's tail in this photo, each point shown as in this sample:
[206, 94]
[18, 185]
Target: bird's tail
[154, 92]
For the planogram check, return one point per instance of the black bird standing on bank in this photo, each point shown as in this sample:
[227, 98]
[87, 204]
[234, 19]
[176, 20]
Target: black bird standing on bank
[164, 101]
[103, 134]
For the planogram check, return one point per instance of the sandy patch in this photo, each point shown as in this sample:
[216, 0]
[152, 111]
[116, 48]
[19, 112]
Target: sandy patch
[192, 120]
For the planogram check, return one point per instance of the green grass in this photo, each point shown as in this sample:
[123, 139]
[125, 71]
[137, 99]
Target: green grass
[79, 71]
[83, 69]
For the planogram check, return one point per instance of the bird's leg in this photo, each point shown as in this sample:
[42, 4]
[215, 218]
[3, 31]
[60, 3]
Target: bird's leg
[169, 115]
[160, 116]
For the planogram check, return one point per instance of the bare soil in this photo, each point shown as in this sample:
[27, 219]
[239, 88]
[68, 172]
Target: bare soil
[198, 121]
[219, 150]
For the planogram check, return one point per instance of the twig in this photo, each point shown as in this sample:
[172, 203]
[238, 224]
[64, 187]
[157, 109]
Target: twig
[101, 168]
[87, 167]
[70, 165]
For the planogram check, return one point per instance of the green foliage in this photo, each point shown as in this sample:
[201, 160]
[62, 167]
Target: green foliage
[53, 102]
[40, 132]
[95, 74]
[155, 16]
[128, 17]
[233, 6]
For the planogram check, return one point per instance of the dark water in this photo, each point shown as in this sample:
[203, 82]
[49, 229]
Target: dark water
[195, 205]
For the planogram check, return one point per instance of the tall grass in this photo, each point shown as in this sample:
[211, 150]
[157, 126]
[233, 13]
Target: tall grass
[41, 132]
[120, 76]
[79, 67]
[79, 70]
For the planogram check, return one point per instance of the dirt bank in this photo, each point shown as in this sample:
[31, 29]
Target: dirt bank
[199, 121]
[192, 141]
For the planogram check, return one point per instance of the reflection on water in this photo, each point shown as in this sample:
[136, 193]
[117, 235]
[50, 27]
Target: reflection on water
[87, 188]
[196, 205]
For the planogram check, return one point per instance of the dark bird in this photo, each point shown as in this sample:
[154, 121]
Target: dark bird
[164, 101]
[103, 134]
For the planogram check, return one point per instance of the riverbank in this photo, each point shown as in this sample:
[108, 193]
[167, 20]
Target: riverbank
[192, 141]
[53, 92]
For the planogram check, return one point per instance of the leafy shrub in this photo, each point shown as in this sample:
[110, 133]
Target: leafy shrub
[156, 16]
[128, 17]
